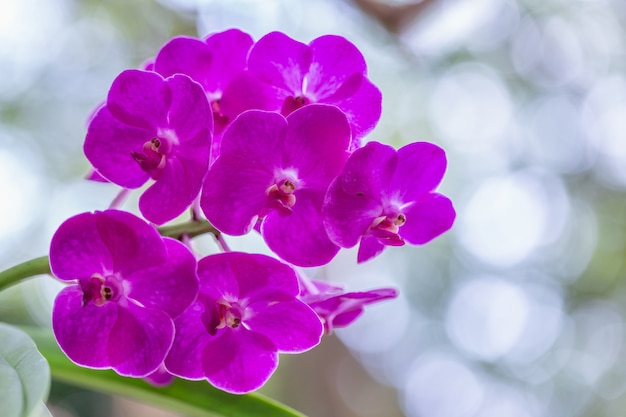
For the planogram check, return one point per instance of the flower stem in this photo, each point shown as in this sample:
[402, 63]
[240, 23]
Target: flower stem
[191, 229]
[41, 265]
[20, 272]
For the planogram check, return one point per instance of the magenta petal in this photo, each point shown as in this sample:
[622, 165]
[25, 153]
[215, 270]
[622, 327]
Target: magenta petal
[185, 357]
[160, 377]
[334, 60]
[190, 114]
[234, 190]
[272, 278]
[369, 170]
[254, 359]
[420, 169]
[427, 218]
[77, 250]
[344, 319]
[172, 286]
[292, 326]
[361, 101]
[188, 56]
[316, 143]
[174, 192]
[246, 92]
[369, 248]
[230, 52]
[347, 216]
[140, 99]
[93, 175]
[300, 238]
[109, 145]
[217, 278]
[83, 331]
[139, 340]
[233, 195]
[280, 61]
[133, 243]
[255, 137]
[227, 275]
[343, 309]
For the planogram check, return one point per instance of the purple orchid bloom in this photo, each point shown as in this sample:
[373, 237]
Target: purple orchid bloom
[284, 75]
[277, 170]
[153, 128]
[337, 308]
[246, 312]
[385, 197]
[213, 62]
[128, 284]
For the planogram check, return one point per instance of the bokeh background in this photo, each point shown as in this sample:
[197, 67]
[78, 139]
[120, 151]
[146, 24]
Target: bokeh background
[518, 311]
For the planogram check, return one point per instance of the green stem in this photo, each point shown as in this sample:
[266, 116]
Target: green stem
[192, 228]
[20, 272]
[41, 265]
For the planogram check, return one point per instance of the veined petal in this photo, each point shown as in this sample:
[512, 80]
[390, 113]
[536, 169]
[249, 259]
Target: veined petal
[140, 99]
[171, 286]
[280, 61]
[186, 55]
[190, 114]
[173, 193]
[369, 248]
[369, 171]
[133, 243]
[233, 194]
[185, 357]
[300, 238]
[427, 218]
[77, 250]
[261, 277]
[109, 145]
[217, 278]
[334, 59]
[230, 52]
[316, 144]
[83, 331]
[239, 361]
[246, 92]
[420, 169]
[361, 101]
[255, 137]
[292, 326]
[347, 216]
[139, 340]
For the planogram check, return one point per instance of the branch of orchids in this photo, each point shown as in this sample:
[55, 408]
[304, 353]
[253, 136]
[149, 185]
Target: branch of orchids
[41, 265]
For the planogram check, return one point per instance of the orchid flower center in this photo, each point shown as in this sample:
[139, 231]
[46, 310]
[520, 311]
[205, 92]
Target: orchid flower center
[229, 314]
[293, 103]
[386, 228]
[152, 159]
[99, 290]
[280, 197]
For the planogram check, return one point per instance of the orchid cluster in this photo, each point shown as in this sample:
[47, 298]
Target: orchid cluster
[250, 137]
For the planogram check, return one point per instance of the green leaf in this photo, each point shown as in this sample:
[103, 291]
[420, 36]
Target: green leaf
[24, 373]
[190, 398]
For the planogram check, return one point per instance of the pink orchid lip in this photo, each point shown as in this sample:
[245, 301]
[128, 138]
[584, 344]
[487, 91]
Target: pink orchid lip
[100, 289]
